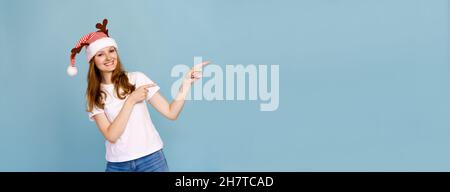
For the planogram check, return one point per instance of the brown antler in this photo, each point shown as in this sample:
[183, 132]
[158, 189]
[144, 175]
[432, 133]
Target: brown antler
[102, 27]
[77, 50]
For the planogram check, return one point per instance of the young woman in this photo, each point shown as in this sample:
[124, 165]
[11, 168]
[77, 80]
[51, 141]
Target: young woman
[116, 101]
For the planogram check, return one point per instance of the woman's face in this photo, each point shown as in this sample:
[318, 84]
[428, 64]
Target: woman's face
[106, 59]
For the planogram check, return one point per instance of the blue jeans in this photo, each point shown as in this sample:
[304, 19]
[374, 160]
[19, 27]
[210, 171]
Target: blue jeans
[155, 162]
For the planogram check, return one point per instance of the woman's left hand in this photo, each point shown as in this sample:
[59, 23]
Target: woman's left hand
[195, 73]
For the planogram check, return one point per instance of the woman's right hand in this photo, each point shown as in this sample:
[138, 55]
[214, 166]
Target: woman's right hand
[139, 94]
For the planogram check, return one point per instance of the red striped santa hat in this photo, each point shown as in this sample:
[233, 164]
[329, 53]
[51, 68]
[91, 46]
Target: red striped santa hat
[94, 42]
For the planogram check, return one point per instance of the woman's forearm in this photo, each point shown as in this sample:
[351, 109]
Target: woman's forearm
[177, 104]
[117, 127]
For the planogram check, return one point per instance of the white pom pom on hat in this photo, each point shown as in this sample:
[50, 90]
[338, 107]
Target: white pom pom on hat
[94, 42]
[72, 71]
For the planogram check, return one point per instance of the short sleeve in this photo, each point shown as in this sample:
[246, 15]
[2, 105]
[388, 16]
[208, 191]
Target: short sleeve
[95, 111]
[142, 79]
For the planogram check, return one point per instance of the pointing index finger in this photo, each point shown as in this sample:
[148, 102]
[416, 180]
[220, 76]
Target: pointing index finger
[200, 66]
[149, 85]
[205, 63]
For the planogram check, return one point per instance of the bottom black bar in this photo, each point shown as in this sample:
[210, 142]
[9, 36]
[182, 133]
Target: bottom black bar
[226, 181]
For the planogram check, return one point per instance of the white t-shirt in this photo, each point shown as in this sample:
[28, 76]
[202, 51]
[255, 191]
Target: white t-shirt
[140, 137]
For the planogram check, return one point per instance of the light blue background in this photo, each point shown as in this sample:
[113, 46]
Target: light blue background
[364, 85]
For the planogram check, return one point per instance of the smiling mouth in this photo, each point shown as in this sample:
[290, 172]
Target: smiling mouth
[109, 63]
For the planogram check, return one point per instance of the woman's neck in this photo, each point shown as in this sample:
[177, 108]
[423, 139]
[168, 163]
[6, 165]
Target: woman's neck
[107, 78]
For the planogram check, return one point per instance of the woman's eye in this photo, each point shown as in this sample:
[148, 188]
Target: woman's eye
[112, 50]
[99, 55]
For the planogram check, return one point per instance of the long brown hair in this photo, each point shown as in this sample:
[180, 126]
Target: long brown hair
[95, 96]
